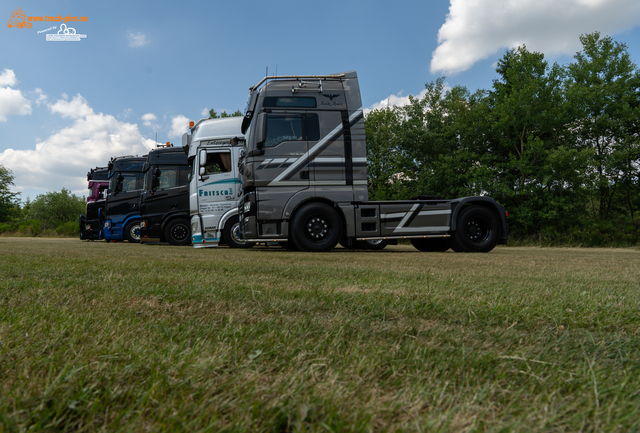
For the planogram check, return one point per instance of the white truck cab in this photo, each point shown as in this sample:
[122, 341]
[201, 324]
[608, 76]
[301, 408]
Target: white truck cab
[214, 149]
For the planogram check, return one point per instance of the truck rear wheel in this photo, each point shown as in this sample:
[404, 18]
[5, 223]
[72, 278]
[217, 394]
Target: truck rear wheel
[231, 234]
[437, 245]
[178, 232]
[132, 232]
[315, 227]
[477, 231]
[83, 227]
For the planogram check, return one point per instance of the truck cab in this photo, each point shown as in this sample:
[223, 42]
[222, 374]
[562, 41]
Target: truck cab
[122, 213]
[304, 177]
[164, 203]
[90, 224]
[214, 148]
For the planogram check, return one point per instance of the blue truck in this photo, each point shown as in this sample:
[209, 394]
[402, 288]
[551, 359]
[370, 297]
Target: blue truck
[122, 214]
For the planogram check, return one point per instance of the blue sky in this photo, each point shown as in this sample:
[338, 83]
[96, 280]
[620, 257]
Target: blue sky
[146, 68]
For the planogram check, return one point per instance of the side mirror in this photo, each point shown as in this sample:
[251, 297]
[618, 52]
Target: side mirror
[261, 130]
[202, 171]
[203, 158]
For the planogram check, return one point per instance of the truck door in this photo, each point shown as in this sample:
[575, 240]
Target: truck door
[167, 196]
[327, 148]
[285, 161]
[218, 187]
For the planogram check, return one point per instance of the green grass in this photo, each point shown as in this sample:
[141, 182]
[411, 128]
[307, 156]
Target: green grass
[119, 337]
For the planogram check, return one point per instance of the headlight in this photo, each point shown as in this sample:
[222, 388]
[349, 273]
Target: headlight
[194, 227]
[143, 224]
[107, 224]
[247, 207]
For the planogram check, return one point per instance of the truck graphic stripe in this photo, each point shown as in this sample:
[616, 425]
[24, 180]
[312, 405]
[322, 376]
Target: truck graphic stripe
[319, 147]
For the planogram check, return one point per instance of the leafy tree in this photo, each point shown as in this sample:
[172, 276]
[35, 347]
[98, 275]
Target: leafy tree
[529, 156]
[214, 115]
[8, 200]
[384, 166]
[603, 88]
[56, 208]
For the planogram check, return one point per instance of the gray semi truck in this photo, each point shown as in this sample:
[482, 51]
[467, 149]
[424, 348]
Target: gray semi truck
[304, 177]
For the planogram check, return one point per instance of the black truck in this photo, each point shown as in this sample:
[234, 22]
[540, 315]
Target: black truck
[164, 204]
[121, 215]
[90, 224]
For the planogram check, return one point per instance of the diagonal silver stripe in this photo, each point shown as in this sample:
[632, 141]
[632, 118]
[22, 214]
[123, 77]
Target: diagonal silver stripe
[315, 149]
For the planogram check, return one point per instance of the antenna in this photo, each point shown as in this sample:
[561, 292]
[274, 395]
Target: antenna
[276, 70]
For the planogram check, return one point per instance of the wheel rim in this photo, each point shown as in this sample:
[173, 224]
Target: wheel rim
[235, 233]
[179, 232]
[317, 229]
[134, 232]
[478, 230]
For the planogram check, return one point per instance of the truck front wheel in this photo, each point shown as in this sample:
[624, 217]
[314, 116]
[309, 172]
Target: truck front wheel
[477, 231]
[178, 232]
[315, 227]
[132, 232]
[231, 234]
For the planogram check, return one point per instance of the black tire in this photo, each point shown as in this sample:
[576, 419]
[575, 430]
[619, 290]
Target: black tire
[428, 245]
[178, 232]
[83, 227]
[315, 227]
[231, 234]
[132, 232]
[477, 231]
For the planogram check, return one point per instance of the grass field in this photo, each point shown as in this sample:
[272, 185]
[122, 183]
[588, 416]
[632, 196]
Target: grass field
[120, 337]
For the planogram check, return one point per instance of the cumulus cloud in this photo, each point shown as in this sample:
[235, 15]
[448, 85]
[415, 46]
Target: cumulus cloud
[179, 125]
[477, 29]
[41, 97]
[394, 101]
[137, 39]
[148, 119]
[8, 78]
[12, 101]
[75, 109]
[63, 159]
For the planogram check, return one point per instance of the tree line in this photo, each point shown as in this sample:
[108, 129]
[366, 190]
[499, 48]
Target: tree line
[558, 146]
[54, 213]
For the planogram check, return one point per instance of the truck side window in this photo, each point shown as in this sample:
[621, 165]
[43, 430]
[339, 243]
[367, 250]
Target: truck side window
[283, 128]
[218, 163]
[130, 182]
[167, 178]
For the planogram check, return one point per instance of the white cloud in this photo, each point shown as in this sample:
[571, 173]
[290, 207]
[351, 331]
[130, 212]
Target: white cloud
[179, 125]
[477, 29]
[42, 97]
[63, 159]
[8, 78]
[205, 112]
[137, 39]
[148, 119]
[12, 101]
[394, 101]
[75, 109]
